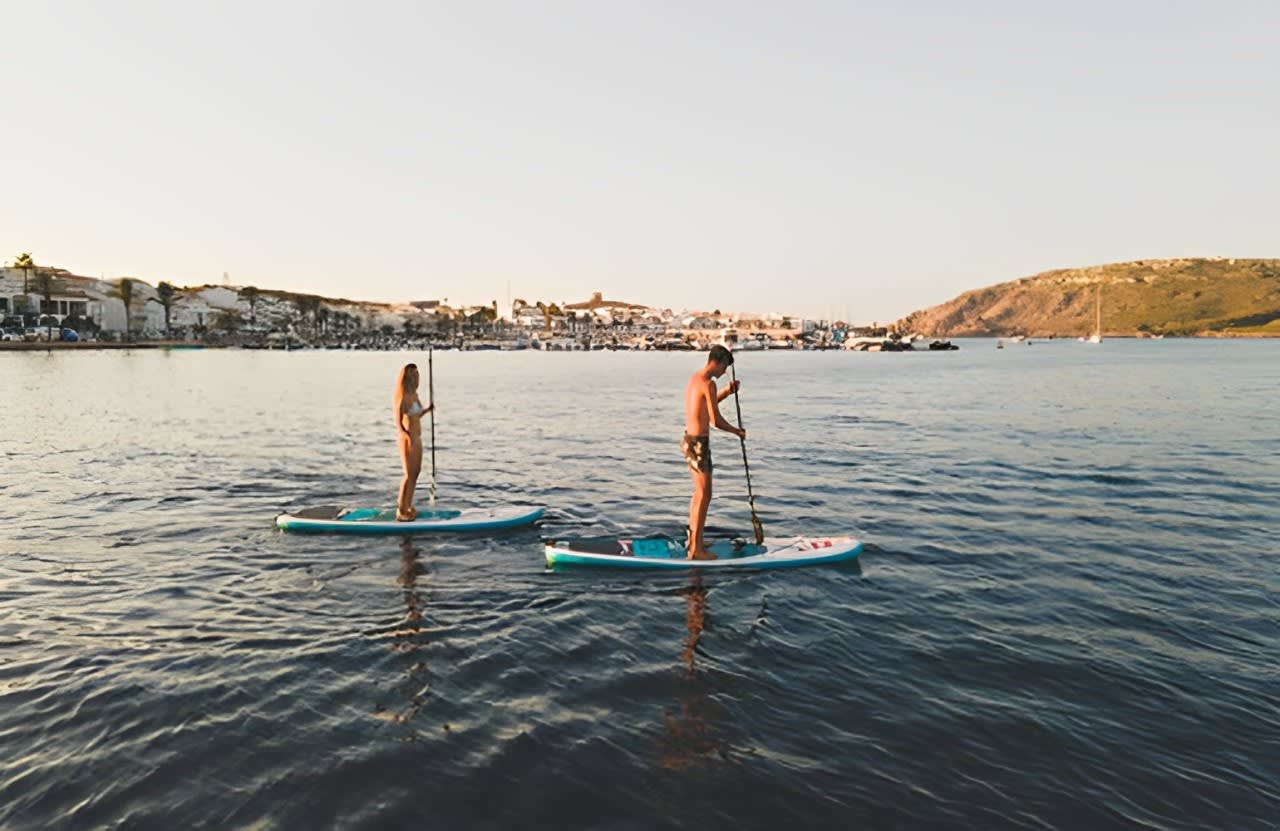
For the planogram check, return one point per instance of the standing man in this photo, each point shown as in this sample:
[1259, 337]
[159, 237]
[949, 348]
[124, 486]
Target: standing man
[701, 408]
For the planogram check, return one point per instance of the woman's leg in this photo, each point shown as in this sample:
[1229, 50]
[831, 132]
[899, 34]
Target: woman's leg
[411, 459]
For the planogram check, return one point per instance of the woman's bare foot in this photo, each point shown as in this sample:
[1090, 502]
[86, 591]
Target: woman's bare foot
[701, 555]
[407, 516]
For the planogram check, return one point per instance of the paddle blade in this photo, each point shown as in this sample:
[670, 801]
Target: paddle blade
[756, 526]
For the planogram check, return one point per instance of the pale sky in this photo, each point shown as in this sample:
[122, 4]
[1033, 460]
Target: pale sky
[810, 158]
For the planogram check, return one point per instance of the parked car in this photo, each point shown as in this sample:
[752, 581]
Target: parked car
[35, 333]
[11, 334]
[70, 334]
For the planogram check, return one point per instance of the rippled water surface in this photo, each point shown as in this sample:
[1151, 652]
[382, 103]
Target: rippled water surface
[1066, 615]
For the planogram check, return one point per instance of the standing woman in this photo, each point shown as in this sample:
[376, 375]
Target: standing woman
[409, 412]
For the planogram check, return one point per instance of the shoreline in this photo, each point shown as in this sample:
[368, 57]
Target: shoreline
[48, 346]
[509, 345]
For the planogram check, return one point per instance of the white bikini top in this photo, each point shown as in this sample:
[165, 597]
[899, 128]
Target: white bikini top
[416, 409]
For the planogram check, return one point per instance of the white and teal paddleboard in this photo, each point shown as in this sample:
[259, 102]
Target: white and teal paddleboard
[664, 552]
[339, 520]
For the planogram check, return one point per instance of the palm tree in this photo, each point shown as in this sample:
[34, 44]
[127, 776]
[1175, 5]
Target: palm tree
[45, 283]
[251, 294]
[166, 292]
[125, 291]
[25, 263]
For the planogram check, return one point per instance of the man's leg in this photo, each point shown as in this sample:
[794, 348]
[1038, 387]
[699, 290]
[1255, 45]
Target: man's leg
[698, 516]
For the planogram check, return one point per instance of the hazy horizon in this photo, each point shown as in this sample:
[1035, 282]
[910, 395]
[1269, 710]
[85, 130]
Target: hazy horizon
[817, 160]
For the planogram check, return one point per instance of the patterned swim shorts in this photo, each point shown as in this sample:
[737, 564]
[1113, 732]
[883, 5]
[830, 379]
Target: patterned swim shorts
[697, 452]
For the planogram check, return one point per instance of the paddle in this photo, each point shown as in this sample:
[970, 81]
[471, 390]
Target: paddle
[751, 499]
[431, 398]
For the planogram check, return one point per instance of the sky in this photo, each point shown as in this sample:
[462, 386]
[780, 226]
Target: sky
[827, 159]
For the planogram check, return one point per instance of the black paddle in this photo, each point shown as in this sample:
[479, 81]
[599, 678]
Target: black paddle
[751, 499]
[431, 396]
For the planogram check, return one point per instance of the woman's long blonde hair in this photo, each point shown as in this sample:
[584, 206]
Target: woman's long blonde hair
[406, 385]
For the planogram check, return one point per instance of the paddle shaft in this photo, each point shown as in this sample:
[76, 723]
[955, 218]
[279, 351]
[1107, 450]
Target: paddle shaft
[756, 525]
[431, 397]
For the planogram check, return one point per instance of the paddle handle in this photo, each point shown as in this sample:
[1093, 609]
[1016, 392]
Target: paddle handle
[431, 397]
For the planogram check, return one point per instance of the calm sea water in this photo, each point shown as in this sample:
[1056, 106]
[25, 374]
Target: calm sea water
[1067, 614]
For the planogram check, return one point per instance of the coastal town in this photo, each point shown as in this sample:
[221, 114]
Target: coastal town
[42, 306]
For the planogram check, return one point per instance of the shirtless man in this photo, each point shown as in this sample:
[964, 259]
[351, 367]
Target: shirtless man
[701, 409]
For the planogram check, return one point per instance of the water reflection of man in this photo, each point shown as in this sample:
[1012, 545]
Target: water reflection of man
[695, 617]
[690, 736]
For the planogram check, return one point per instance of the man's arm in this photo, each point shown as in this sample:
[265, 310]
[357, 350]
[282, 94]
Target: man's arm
[729, 389]
[719, 420]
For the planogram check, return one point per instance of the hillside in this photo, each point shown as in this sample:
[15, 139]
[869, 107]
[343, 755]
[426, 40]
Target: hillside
[1215, 296]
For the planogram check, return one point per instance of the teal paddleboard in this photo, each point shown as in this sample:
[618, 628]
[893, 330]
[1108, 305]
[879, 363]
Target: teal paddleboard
[340, 520]
[666, 553]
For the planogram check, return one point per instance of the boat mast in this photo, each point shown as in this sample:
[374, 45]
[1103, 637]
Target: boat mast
[1097, 326]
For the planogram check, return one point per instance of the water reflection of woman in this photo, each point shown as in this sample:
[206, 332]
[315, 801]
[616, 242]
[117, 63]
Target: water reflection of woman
[406, 639]
[410, 567]
[409, 411]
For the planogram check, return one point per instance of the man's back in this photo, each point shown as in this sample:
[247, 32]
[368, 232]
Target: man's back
[697, 406]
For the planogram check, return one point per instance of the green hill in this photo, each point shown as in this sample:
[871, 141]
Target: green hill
[1216, 296]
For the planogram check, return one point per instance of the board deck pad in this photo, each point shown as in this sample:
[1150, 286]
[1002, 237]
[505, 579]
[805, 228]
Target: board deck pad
[665, 552]
[339, 519]
[346, 514]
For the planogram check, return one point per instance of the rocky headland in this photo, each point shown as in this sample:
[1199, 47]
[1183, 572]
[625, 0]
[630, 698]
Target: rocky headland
[1207, 297]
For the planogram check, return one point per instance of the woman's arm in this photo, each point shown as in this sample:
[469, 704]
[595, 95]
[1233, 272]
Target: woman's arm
[400, 414]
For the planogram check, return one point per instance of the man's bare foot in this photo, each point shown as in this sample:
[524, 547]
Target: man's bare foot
[407, 516]
[701, 555]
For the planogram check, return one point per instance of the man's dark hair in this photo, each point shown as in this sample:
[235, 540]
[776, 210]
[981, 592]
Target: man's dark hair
[721, 355]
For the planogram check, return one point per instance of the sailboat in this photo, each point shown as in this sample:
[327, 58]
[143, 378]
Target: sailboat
[1096, 337]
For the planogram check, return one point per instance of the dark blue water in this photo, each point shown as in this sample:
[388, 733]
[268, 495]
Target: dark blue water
[1067, 614]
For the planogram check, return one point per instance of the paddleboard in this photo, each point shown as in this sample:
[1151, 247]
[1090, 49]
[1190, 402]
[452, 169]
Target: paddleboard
[340, 520]
[666, 553]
